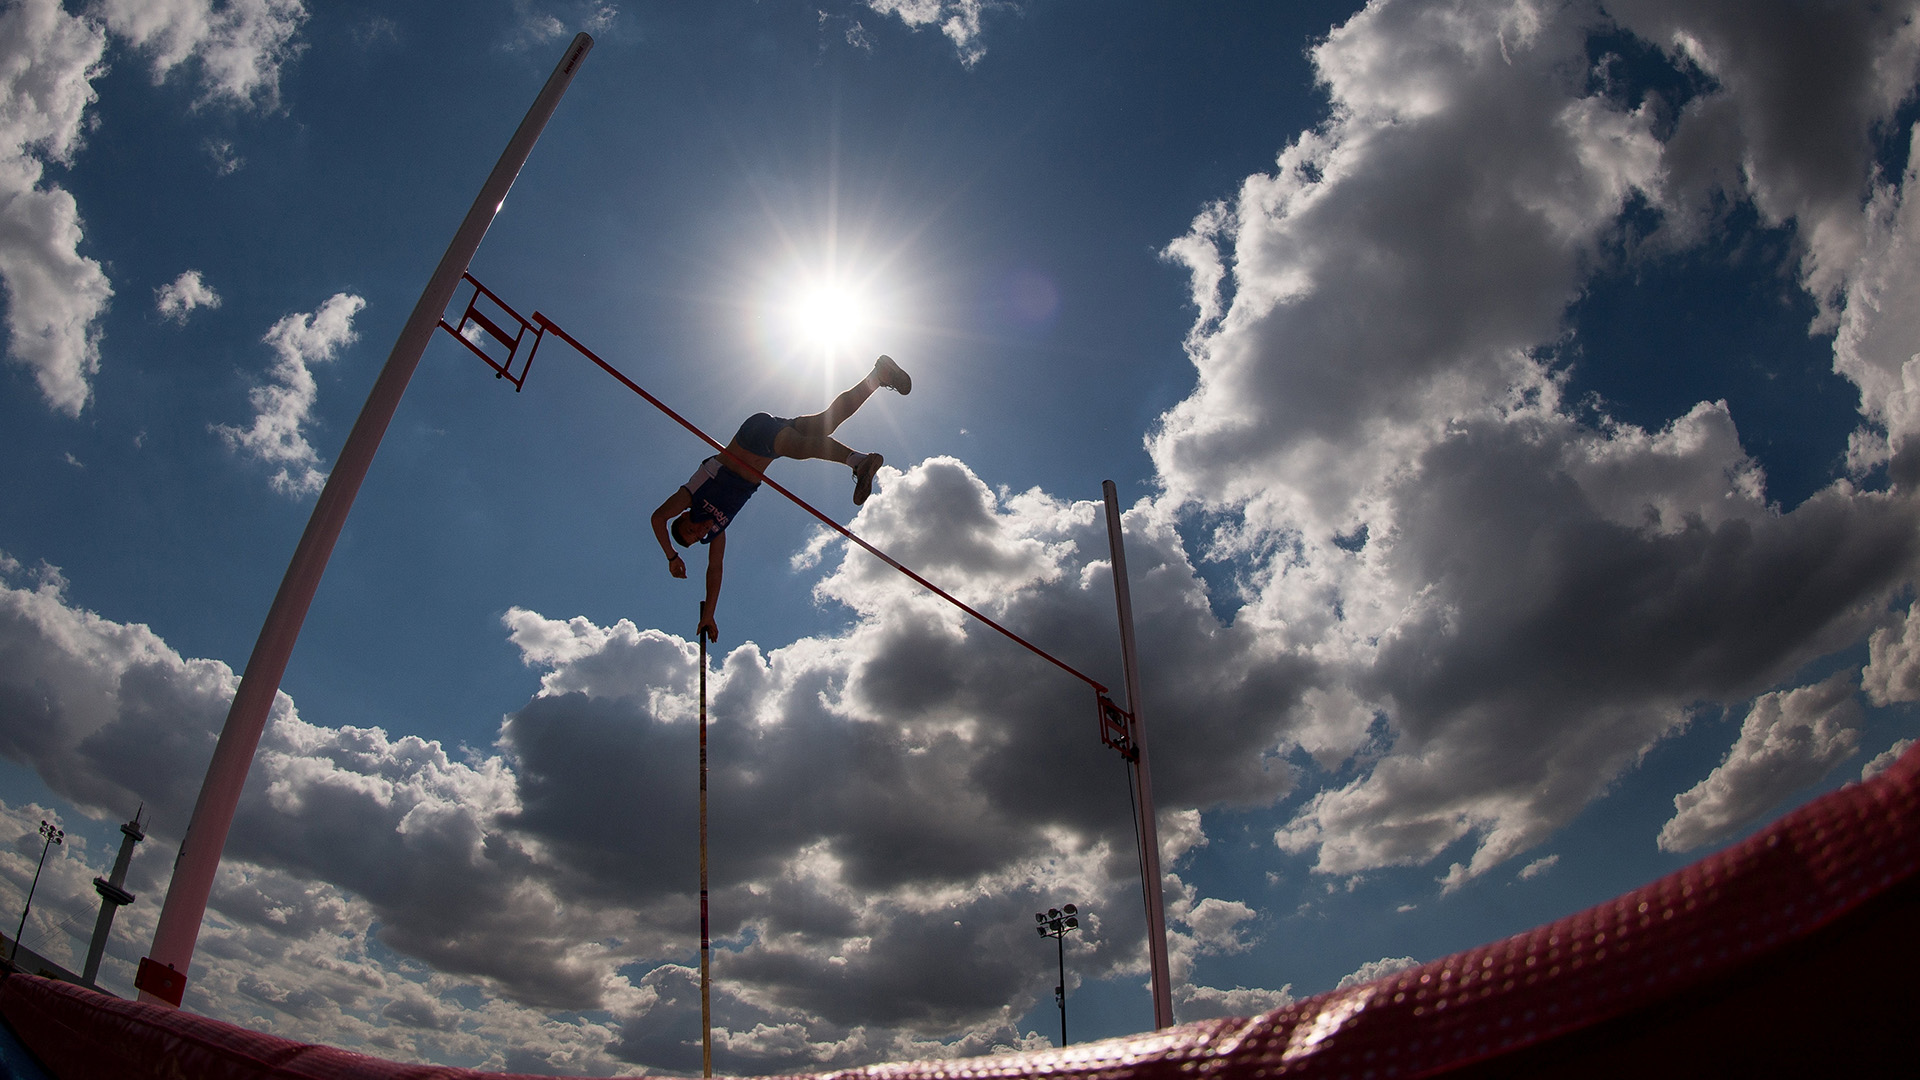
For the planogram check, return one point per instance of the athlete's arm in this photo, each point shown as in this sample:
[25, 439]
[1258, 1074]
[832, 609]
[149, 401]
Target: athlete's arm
[676, 503]
[716, 558]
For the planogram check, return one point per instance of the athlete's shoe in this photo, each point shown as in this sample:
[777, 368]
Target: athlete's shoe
[892, 375]
[863, 479]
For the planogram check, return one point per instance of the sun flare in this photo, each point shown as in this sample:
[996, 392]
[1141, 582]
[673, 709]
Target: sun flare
[829, 317]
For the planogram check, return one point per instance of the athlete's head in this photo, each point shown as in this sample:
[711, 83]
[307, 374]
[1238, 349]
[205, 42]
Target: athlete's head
[687, 531]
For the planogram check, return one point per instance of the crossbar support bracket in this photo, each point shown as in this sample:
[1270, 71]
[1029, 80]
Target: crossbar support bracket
[1116, 728]
[476, 321]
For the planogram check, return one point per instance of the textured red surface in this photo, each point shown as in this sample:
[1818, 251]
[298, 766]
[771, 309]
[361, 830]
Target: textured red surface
[1789, 954]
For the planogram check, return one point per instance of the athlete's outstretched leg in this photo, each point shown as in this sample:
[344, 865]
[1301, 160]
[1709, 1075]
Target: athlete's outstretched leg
[811, 435]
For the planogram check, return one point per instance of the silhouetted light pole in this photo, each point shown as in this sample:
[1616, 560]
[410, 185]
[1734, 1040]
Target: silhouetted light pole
[54, 835]
[1055, 923]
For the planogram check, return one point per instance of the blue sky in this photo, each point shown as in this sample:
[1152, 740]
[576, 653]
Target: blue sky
[1514, 403]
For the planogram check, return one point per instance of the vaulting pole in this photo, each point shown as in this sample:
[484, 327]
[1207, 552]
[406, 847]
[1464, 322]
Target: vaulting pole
[1142, 778]
[163, 974]
[706, 942]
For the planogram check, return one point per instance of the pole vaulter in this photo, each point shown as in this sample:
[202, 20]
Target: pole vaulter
[162, 978]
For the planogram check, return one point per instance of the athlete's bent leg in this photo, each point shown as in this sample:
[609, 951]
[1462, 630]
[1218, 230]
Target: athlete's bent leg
[808, 441]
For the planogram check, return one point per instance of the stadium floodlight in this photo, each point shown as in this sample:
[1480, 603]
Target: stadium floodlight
[54, 835]
[1057, 923]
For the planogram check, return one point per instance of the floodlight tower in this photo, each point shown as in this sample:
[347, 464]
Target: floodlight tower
[54, 835]
[1056, 923]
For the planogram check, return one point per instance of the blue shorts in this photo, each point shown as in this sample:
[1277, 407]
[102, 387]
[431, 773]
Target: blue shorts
[757, 434]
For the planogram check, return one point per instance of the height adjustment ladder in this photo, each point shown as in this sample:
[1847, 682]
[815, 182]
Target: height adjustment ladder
[475, 322]
[1116, 728]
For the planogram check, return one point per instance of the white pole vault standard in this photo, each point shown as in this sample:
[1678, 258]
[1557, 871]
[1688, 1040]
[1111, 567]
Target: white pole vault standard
[1142, 778]
[165, 970]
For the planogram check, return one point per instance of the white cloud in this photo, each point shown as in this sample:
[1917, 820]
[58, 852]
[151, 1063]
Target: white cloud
[1882, 761]
[1181, 834]
[1377, 969]
[225, 160]
[1800, 94]
[1208, 926]
[1479, 606]
[283, 407]
[1538, 866]
[1194, 1002]
[1216, 924]
[1892, 673]
[239, 46]
[1460, 139]
[535, 24]
[599, 17]
[48, 60]
[1790, 739]
[1496, 606]
[93, 705]
[515, 875]
[959, 20]
[178, 299]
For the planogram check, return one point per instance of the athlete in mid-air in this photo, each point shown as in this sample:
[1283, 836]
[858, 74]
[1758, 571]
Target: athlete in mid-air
[705, 505]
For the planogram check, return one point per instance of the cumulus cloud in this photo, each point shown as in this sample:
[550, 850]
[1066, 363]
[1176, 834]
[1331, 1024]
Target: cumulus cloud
[55, 295]
[340, 829]
[1377, 969]
[1884, 759]
[1526, 599]
[1538, 867]
[49, 60]
[536, 26]
[105, 712]
[1208, 926]
[959, 20]
[238, 47]
[1458, 609]
[1800, 92]
[1192, 1002]
[1892, 673]
[177, 299]
[283, 407]
[537, 23]
[884, 914]
[1790, 739]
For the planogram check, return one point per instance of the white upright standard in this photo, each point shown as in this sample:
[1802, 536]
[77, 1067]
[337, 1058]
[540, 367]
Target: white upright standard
[1142, 777]
[163, 974]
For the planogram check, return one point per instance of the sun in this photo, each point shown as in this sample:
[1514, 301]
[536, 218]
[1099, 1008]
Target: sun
[829, 317]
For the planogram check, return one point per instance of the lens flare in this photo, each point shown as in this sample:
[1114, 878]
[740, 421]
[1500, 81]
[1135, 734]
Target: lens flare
[829, 317]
